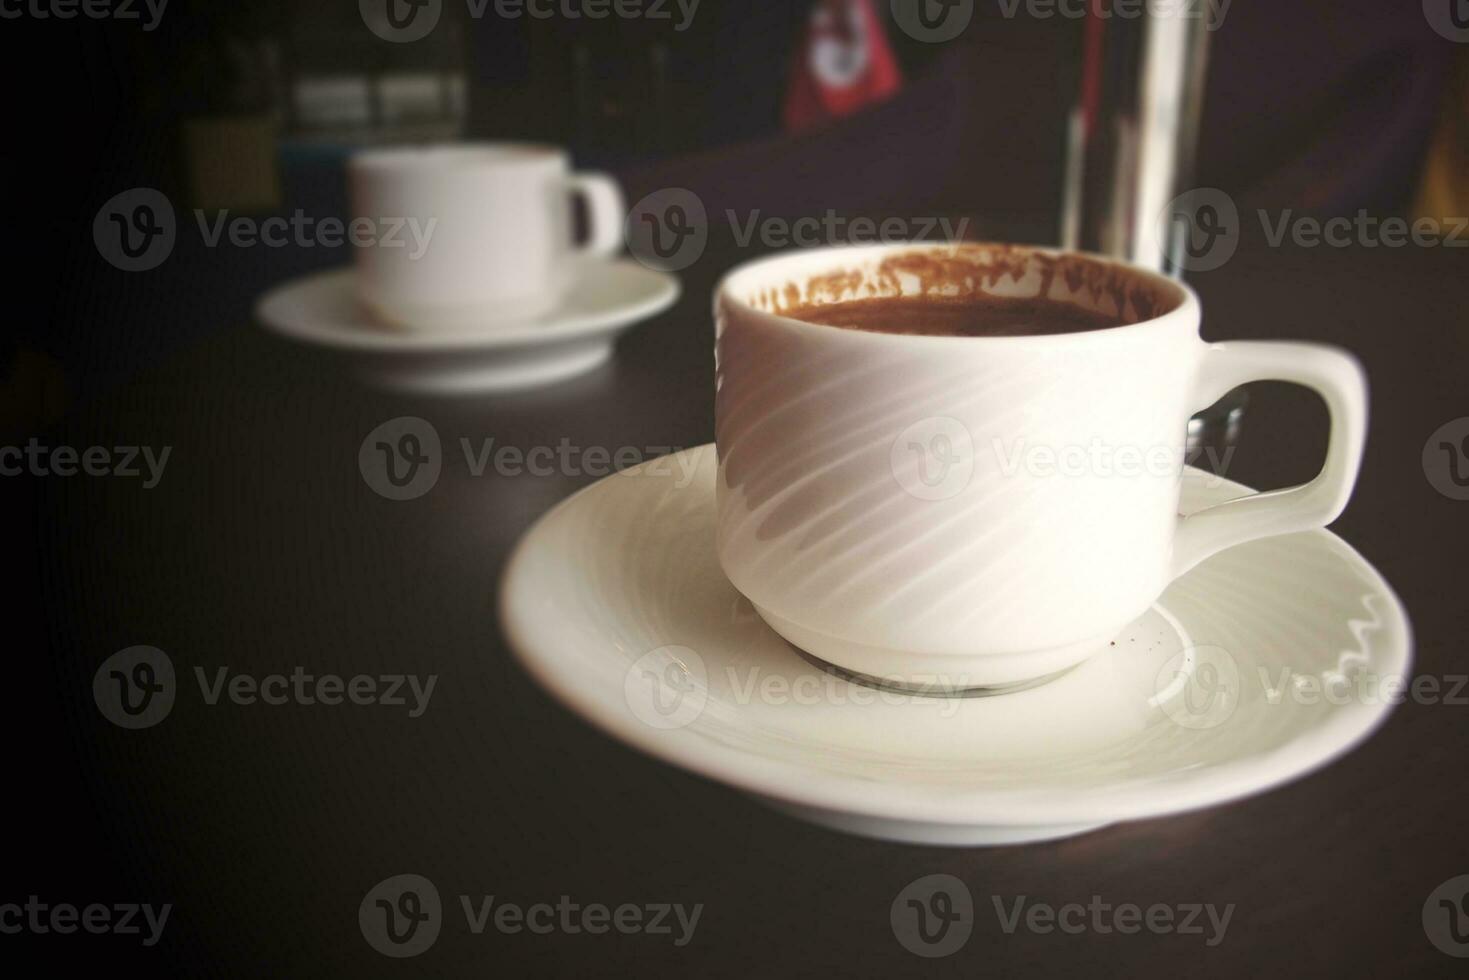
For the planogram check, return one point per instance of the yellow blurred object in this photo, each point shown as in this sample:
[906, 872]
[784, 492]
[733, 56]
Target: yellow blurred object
[1444, 191]
[32, 393]
[232, 163]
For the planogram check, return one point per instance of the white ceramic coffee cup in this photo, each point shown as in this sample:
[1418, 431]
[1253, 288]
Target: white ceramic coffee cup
[495, 223]
[981, 511]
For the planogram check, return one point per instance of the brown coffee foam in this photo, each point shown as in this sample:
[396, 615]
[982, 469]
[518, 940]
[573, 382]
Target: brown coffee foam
[972, 270]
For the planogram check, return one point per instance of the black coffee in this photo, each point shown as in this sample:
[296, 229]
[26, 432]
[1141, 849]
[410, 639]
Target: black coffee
[967, 316]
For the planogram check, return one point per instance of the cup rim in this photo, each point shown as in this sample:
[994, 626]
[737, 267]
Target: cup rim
[1184, 308]
[441, 156]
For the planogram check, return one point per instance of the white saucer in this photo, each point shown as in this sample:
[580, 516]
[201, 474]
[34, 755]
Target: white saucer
[615, 602]
[323, 310]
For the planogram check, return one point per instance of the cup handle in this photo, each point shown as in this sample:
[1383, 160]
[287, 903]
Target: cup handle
[1333, 374]
[606, 212]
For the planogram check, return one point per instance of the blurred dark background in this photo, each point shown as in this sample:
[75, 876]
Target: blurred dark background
[1319, 105]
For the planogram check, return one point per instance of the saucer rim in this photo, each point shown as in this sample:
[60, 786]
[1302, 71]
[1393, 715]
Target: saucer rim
[367, 336]
[1126, 798]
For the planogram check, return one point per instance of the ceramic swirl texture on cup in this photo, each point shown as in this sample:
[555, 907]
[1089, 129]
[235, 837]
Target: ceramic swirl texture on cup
[945, 495]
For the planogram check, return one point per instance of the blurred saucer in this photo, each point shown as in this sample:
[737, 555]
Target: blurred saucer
[323, 310]
[1260, 665]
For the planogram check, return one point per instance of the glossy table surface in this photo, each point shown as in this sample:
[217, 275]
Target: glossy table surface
[262, 550]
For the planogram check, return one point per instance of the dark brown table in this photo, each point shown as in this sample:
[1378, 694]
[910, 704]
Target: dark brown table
[263, 550]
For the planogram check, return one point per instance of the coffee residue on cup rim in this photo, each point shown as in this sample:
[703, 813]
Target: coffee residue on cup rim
[973, 269]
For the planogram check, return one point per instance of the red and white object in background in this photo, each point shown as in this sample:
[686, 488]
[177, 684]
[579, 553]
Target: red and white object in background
[842, 65]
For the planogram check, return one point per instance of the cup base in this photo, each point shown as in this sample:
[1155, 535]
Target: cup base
[931, 689]
[944, 675]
